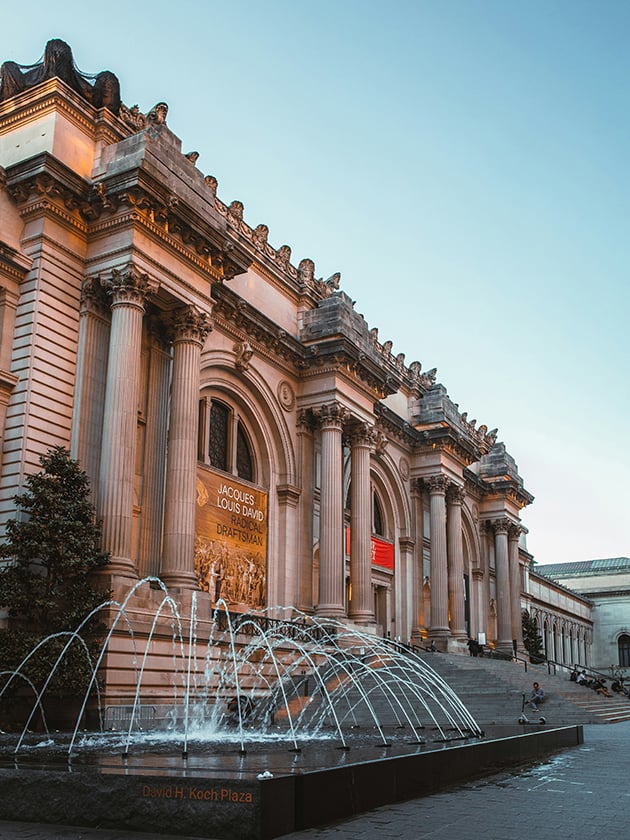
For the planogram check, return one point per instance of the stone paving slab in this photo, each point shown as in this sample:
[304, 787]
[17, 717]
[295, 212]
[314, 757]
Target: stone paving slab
[580, 791]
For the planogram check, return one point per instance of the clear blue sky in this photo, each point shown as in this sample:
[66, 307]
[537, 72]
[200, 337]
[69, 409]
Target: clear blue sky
[464, 164]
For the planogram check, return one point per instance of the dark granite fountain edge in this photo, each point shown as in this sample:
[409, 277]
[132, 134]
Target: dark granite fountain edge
[228, 809]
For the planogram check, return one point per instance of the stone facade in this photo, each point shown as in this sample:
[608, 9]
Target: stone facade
[605, 584]
[196, 372]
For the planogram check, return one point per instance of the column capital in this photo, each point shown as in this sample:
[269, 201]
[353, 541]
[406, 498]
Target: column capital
[332, 415]
[190, 324]
[437, 484]
[500, 526]
[363, 434]
[306, 421]
[128, 286]
[514, 531]
[455, 494]
[93, 297]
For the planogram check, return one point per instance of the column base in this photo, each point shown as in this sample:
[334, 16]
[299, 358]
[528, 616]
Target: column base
[120, 567]
[330, 611]
[179, 580]
[362, 617]
[440, 637]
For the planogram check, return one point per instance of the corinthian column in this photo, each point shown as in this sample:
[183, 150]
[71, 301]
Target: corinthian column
[331, 563]
[191, 328]
[503, 601]
[455, 499]
[439, 629]
[361, 607]
[128, 290]
[87, 423]
[514, 532]
[305, 424]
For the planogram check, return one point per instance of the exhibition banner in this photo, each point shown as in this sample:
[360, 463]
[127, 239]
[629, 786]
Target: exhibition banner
[382, 551]
[231, 540]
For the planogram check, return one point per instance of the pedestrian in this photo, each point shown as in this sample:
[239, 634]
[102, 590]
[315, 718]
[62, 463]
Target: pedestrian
[537, 697]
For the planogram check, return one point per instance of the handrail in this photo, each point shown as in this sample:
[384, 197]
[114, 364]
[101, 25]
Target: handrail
[563, 665]
[506, 654]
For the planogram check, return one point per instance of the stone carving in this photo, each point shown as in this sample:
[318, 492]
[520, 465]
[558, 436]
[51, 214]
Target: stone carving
[259, 237]
[455, 494]
[437, 484]
[157, 114]
[191, 324]
[306, 271]
[500, 526]
[212, 184]
[93, 297]
[333, 281]
[58, 62]
[403, 468]
[133, 117]
[193, 157]
[332, 415]
[244, 352]
[235, 214]
[283, 256]
[387, 348]
[128, 286]
[286, 395]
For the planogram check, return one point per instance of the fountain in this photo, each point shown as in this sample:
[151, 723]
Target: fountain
[268, 723]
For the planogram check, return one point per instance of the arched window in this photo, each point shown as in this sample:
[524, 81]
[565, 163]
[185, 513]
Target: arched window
[623, 645]
[223, 440]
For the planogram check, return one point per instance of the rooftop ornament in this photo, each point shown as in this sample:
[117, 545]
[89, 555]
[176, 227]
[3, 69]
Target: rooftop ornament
[103, 92]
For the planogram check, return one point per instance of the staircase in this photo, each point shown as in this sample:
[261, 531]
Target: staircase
[492, 690]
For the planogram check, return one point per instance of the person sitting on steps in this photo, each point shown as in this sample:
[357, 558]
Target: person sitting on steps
[537, 697]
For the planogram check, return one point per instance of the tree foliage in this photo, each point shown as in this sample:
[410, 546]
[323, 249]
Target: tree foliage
[532, 639]
[51, 549]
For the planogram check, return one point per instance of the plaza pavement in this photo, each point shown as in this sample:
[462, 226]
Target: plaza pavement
[582, 791]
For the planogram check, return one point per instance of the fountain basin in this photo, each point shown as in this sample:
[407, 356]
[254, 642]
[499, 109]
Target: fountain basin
[215, 791]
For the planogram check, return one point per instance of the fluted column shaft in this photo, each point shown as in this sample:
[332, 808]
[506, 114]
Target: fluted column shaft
[515, 585]
[439, 565]
[417, 601]
[331, 566]
[361, 607]
[87, 423]
[128, 290]
[455, 499]
[502, 567]
[305, 509]
[191, 328]
[149, 559]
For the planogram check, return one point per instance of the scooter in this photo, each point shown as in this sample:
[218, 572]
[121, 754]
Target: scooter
[525, 720]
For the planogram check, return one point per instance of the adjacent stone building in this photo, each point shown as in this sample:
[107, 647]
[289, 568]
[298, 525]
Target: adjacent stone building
[247, 434]
[605, 584]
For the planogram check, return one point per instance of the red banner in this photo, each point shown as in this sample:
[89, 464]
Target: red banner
[382, 552]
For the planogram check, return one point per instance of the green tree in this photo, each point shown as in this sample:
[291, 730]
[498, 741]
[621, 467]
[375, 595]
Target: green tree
[532, 639]
[52, 548]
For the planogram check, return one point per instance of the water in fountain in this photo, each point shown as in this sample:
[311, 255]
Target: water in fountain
[244, 679]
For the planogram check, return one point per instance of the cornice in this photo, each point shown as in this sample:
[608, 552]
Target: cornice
[13, 263]
[446, 438]
[238, 318]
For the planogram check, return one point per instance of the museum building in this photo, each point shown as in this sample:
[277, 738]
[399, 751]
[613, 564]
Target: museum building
[247, 435]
